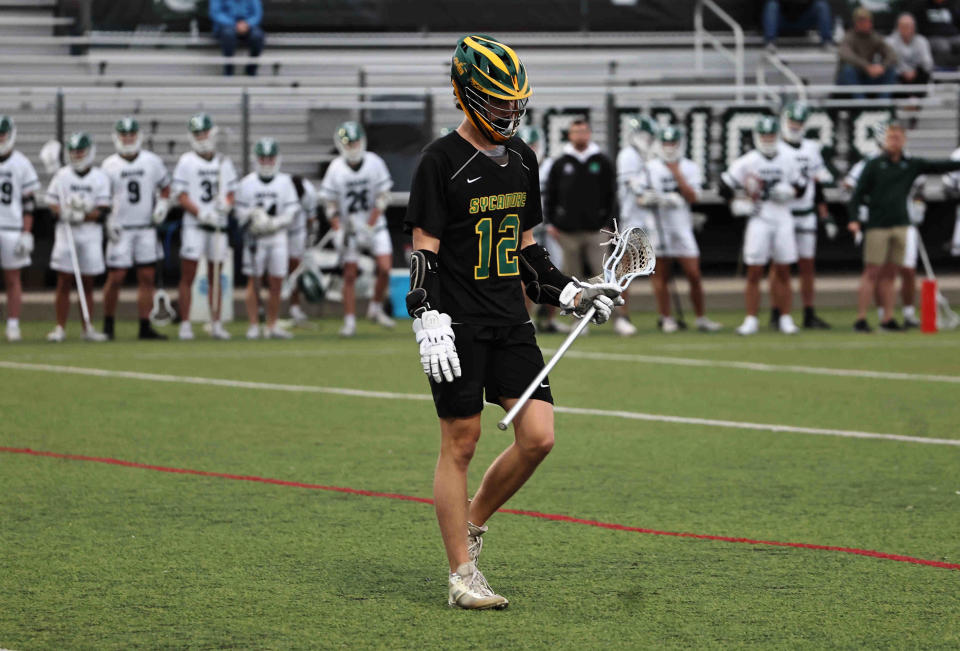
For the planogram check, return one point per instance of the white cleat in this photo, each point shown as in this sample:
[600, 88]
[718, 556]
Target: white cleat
[277, 332]
[92, 335]
[469, 590]
[217, 331]
[298, 315]
[57, 335]
[186, 331]
[748, 327]
[668, 325]
[475, 540]
[348, 329]
[706, 325]
[381, 319]
[13, 333]
[253, 332]
[787, 326]
[623, 327]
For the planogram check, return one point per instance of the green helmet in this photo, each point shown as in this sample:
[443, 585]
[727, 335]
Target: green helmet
[671, 143]
[533, 136]
[311, 284]
[795, 113]
[267, 150]
[8, 133]
[641, 133]
[351, 141]
[124, 128]
[490, 85]
[81, 150]
[765, 136]
[203, 133]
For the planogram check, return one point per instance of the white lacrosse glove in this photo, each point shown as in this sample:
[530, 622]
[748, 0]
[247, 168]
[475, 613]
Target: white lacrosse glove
[24, 245]
[50, 156]
[742, 208]
[917, 210]
[601, 296]
[160, 211]
[364, 235]
[281, 222]
[438, 353]
[673, 200]
[208, 217]
[831, 229]
[783, 192]
[260, 221]
[113, 228]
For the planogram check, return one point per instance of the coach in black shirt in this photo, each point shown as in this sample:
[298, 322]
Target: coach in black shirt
[581, 199]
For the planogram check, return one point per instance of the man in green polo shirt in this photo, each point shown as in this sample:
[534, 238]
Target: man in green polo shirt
[884, 187]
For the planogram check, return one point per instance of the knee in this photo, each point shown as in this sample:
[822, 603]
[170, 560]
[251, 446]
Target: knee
[460, 444]
[537, 443]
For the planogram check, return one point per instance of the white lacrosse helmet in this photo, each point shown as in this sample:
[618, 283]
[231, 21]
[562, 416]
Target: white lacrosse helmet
[765, 136]
[8, 134]
[203, 133]
[123, 129]
[792, 122]
[81, 150]
[671, 143]
[266, 158]
[351, 141]
[641, 133]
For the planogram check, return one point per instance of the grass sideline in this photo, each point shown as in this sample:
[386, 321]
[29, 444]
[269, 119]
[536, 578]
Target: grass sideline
[100, 556]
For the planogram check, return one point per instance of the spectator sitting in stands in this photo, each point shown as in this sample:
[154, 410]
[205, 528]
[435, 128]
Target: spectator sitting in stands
[238, 19]
[884, 13]
[938, 20]
[864, 58]
[796, 17]
[914, 60]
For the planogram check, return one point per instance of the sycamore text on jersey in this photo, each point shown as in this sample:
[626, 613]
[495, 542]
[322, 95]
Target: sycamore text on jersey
[498, 202]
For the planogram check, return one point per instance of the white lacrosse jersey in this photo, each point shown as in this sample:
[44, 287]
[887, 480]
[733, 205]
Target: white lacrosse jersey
[308, 207]
[356, 190]
[17, 180]
[135, 184]
[952, 179]
[769, 172]
[811, 169]
[94, 185]
[200, 179]
[632, 181]
[662, 182]
[277, 196]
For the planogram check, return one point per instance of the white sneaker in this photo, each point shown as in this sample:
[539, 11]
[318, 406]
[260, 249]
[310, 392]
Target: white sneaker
[253, 332]
[92, 335]
[787, 326]
[561, 327]
[13, 333]
[381, 319]
[475, 540]
[349, 329]
[57, 335]
[706, 325]
[277, 332]
[469, 590]
[749, 326]
[186, 331]
[297, 314]
[623, 327]
[668, 325]
[217, 331]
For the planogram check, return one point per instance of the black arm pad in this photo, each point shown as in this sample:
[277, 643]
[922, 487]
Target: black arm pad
[542, 279]
[29, 204]
[726, 192]
[818, 196]
[424, 291]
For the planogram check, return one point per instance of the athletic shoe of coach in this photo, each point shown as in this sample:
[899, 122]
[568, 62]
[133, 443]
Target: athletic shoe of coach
[469, 590]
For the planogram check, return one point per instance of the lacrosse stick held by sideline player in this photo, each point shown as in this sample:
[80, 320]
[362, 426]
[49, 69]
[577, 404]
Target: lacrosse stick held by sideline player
[632, 257]
[81, 292]
[947, 319]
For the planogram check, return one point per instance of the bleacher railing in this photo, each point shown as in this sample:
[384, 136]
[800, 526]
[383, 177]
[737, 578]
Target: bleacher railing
[701, 35]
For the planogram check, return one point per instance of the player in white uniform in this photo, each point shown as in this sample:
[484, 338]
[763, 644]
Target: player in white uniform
[204, 182]
[267, 204]
[355, 191]
[636, 198]
[951, 183]
[79, 195]
[301, 232]
[807, 210]
[675, 183]
[141, 192]
[18, 185]
[762, 184]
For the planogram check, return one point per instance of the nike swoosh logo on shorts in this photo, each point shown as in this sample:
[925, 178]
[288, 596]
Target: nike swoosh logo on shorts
[476, 179]
[544, 386]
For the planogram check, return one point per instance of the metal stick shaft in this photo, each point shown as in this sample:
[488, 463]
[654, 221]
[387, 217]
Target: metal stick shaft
[505, 422]
[79, 278]
[923, 256]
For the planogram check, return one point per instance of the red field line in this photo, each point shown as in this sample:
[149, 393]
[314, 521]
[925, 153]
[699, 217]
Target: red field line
[533, 514]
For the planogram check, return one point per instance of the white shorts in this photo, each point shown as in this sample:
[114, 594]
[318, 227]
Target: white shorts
[196, 243]
[679, 241]
[910, 248]
[8, 255]
[805, 229]
[88, 238]
[136, 246]
[266, 254]
[296, 243]
[766, 239]
[377, 245]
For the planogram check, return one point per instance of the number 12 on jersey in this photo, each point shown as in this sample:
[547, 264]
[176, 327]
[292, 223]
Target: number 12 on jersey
[509, 232]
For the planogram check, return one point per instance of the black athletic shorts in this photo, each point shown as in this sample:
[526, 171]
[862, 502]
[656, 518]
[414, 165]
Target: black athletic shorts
[498, 360]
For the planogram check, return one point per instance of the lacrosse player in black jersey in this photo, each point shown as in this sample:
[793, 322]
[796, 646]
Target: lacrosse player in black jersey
[474, 202]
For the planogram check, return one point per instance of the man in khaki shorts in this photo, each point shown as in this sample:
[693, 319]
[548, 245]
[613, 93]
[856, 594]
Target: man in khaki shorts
[884, 187]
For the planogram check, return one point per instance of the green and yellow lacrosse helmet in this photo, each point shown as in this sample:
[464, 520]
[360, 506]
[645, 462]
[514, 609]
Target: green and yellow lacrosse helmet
[490, 85]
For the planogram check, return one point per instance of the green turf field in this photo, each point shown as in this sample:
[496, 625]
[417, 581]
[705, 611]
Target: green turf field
[103, 556]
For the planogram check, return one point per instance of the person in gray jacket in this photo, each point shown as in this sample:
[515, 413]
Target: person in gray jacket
[914, 59]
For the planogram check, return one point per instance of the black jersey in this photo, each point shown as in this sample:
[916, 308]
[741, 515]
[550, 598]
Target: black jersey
[479, 210]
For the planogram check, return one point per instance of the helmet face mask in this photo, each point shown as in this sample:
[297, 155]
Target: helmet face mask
[793, 121]
[765, 138]
[81, 151]
[642, 134]
[671, 144]
[266, 158]
[8, 135]
[126, 137]
[351, 142]
[203, 134]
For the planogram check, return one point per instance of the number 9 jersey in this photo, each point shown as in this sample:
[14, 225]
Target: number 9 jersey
[135, 182]
[479, 209]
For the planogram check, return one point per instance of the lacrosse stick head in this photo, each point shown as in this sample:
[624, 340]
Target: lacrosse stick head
[632, 256]
[162, 313]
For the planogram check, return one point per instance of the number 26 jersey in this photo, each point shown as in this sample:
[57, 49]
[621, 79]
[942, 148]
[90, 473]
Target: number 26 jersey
[355, 191]
[478, 209]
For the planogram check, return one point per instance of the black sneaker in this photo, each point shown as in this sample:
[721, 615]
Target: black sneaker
[150, 333]
[891, 325]
[775, 319]
[861, 325]
[813, 322]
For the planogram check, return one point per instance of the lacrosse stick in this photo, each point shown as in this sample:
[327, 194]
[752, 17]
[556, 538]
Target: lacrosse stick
[291, 280]
[81, 293]
[222, 193]
[632, 257]
[947, 319]
[162, 312]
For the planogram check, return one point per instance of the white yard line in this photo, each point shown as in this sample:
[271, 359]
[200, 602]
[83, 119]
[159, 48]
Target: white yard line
[888, 343]
[387, 395]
